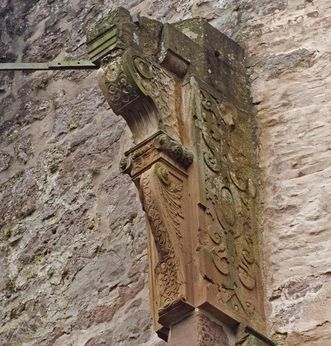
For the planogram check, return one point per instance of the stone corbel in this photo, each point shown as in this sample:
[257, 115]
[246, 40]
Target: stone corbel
[182, 90]
[158, 166]
[142, 92]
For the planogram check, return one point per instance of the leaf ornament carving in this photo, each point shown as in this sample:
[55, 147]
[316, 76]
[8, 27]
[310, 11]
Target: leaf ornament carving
[220, 196]
[213, 133]
[165, 215]
[246, 275]
[118, 87]
[219, 247]
[246, 271]
[158, 84]
[172, 194]
[220, 260]
[210, 333]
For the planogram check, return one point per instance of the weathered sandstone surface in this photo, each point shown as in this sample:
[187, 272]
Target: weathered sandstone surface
[73, 266]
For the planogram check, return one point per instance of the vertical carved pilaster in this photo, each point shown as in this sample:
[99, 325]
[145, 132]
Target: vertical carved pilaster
[182, 90]
[227, 176]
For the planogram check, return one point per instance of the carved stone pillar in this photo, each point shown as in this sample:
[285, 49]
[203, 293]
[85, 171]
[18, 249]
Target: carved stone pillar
[182, 90]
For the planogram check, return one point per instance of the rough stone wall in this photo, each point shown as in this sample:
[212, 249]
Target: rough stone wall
[72, 239]
[289, 55]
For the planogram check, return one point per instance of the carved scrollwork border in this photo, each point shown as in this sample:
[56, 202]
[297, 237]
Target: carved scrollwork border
[162, 197]
[229, 196]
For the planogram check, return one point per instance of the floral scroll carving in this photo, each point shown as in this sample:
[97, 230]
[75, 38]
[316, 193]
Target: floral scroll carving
[230, 206]
[162, 196]
[137, 87]
[158, 84]
[210, 334]
[119, 87]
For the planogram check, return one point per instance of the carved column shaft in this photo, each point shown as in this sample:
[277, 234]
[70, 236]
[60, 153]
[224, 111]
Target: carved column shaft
[182, 90]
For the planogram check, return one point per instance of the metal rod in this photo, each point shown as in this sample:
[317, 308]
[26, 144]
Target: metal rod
[52, 65]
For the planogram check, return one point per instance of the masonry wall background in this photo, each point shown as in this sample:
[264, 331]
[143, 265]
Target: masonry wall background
[73, 268]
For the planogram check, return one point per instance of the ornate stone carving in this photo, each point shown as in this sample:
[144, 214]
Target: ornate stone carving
[194, 162]
[159, 85]
[118, 85]
[175, 150]
[227, 174]
[142, 92]
[144, 155]
[162, 197]
[210, 333]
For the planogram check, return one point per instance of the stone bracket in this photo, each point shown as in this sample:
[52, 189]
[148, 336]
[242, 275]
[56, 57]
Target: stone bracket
[183, 92]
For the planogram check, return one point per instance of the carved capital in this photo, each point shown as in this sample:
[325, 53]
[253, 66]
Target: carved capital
[160, 146]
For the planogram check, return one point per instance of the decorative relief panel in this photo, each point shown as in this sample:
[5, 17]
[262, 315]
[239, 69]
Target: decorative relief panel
[229, 199]
[162, 195]
[210, 334]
